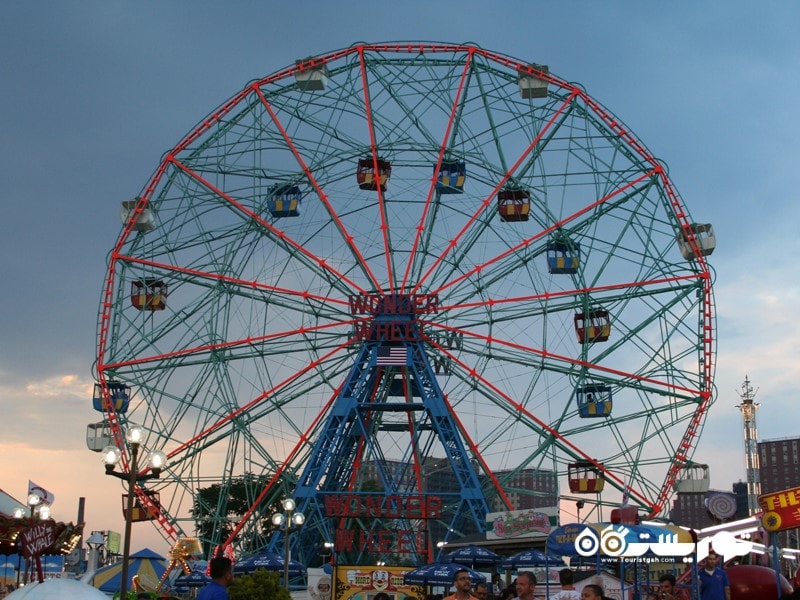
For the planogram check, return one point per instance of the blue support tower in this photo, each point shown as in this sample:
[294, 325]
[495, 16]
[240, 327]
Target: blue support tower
[390, 474]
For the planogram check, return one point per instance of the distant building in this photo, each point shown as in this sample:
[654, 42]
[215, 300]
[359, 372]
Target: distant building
[689, 510]
[740, 491]
[526, 489]
[779, 464]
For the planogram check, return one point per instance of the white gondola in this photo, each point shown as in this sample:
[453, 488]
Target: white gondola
[311, 76]
[146, 221]
[703, 236]
[693, 478]
[531, 86]
[98, 436]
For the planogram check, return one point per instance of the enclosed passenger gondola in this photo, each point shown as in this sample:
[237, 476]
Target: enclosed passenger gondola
[369, 178]
[594, 326]
[563, 257]
[704, 238]
[531, 86]
[284, 200]
[513, 204]
[119, 393]
[145, 221]
[148, 510]
[451, 178]
[594, 400]
[585, 478]
[98, 436]
[311, 75]
[149, 294]
[693, 478]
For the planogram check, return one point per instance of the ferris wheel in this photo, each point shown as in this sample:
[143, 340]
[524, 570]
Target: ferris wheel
[394, 256]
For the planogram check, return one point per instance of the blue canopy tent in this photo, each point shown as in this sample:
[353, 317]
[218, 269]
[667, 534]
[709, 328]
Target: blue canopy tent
[474, 556]
[149, 566]
[439, 574]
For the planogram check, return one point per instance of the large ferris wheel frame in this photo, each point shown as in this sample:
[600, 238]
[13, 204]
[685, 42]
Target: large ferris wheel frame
[361, 138]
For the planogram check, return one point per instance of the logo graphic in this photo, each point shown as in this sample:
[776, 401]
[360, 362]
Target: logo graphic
[621, 541]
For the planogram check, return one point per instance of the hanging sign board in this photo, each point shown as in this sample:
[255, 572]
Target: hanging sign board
[781, 509]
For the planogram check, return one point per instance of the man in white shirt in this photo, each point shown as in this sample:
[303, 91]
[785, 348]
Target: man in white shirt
[568, 591]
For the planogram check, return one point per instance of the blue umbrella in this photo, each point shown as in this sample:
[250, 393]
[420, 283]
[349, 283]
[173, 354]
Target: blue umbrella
[439, 574]
[474, 556]
[269, 561]
[532, 558]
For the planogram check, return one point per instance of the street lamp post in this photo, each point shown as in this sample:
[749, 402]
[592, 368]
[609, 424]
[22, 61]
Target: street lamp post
[111, 457]
[38, 510]
[34, 500]
[287, 521]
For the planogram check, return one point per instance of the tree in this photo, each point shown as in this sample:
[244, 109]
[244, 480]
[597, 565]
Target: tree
[214, 528]
[259, 584]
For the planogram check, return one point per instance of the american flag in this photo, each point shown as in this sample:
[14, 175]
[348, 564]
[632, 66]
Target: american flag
[392, 355]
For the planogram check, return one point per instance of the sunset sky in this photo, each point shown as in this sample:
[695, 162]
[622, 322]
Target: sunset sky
[93, 93]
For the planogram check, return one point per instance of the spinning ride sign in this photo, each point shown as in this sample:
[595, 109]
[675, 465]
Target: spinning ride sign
[781, 509]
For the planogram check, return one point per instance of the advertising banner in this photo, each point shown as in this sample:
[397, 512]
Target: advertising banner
[367, 582]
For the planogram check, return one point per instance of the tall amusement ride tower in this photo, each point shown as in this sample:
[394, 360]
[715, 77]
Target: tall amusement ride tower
[748, 409]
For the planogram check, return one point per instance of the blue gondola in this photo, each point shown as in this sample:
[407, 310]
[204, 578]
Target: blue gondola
[594, 400]
[563, 258]
[284, 200]
[120, 396]
[452, 176]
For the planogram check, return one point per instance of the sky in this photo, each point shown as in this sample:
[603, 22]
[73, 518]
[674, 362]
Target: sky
[92, 93]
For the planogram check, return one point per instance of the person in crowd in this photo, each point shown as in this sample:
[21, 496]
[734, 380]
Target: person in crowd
[497, 586]
[481, 591]
[592, 591]
[714, 584]
[463, 586]
[568, 592]
[668, 590]
[526, 585]
[221, 573]
[510, 592]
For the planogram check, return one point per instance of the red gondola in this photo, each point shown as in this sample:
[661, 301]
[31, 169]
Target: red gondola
[513, 204]
[585, 478]
[368, 178]
[149, 294]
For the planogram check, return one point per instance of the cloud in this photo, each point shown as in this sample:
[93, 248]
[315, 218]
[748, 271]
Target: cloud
[60, 386]
[31, 404]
